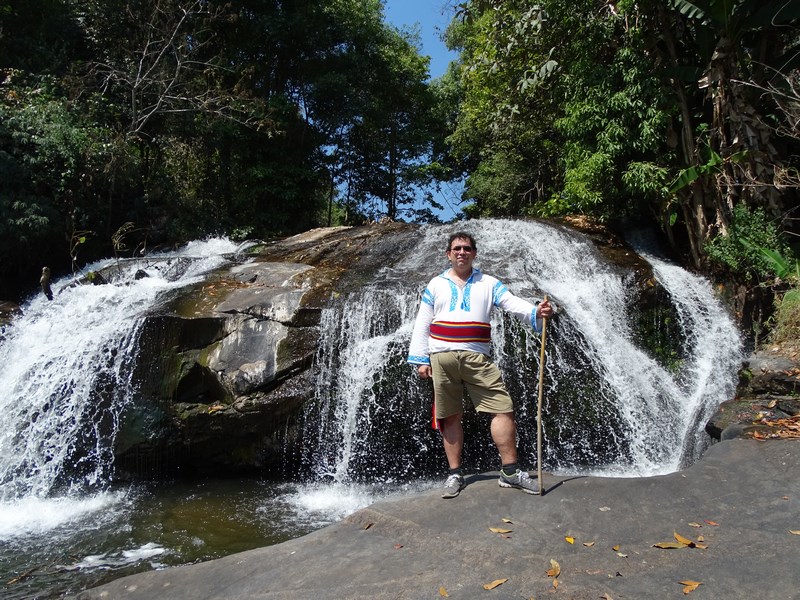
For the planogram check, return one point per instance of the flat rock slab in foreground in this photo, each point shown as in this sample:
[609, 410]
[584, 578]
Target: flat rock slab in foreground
[745, 494]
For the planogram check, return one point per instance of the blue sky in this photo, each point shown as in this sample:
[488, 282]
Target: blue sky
[432, 16]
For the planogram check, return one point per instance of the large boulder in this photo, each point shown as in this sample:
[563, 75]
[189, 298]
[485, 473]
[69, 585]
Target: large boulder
[224, 367]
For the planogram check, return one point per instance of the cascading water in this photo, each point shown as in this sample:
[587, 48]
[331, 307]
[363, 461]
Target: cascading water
[611, 406]
[715, 350]
[358, 360]
[66, 377]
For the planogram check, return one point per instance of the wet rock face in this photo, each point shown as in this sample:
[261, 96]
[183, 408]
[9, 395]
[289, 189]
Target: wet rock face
[226, 367]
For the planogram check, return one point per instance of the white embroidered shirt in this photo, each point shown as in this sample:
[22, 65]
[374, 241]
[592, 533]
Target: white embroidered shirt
[454, 318]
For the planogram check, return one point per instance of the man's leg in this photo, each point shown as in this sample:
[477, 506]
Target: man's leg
[453, 439]
[504, 434]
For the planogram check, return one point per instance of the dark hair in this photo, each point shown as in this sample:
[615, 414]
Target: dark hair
[464, 236]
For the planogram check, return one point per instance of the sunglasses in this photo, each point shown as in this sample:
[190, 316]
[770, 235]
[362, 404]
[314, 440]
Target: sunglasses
[460, 248]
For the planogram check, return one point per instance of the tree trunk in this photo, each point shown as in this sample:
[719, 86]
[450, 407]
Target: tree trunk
[391, 202]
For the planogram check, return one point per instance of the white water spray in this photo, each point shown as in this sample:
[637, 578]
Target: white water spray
[606, 391]
[66, 377]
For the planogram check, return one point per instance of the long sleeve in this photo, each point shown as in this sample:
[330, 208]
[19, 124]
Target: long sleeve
[418, 353]
[522, 309]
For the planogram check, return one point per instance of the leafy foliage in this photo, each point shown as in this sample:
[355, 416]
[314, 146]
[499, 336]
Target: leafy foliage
[262, 118]
[188, 118]
[739, 250]
[786, 322]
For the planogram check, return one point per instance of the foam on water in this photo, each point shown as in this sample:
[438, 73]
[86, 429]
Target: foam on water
[32, 516]
[123, 558]
[319, 504]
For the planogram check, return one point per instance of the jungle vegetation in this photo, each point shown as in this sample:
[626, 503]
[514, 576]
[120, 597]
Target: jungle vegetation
[127, 125]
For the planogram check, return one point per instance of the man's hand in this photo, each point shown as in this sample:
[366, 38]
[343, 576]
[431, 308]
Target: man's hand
[424, 371]
[545, 310]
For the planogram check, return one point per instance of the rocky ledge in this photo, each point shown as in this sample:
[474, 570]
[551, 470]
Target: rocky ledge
[585, 538]
[767, 401]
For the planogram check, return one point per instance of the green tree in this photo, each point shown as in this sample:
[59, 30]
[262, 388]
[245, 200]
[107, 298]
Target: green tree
[732, 45]
[189, 117]
[580, 107]
[555, 118]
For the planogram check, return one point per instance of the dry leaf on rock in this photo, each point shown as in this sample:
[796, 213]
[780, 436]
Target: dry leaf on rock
[695, 525]
[690, 586]
[670, 545]
[690, 543]
[711, 523]
[681, 542]
[784, 428]
[499, 530]
[794, 531]
[555, 569]
[570, 539]
[506, 521]
[615, 548]
[443, 592]
[494, 584]
[368, 525]
[588, 544]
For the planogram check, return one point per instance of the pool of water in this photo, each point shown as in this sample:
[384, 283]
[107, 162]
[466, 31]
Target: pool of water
[60, 546]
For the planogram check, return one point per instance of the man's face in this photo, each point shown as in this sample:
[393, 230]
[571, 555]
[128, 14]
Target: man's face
[461, 253]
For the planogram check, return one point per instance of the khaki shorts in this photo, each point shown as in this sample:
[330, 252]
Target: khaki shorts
[454, 371]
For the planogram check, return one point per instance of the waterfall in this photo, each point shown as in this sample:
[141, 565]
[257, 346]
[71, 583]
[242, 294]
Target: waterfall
[67, 375]
[715, 349]
[630, 381]
[612, 406]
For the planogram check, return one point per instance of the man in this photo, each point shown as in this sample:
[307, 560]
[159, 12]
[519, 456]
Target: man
[450, 344]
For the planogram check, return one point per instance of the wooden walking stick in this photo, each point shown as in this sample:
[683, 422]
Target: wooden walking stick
[539, 408]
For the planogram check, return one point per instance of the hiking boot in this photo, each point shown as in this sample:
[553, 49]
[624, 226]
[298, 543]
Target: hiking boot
[520, 480]
[453, 486]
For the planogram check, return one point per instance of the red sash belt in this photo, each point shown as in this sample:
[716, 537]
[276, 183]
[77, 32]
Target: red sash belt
[468, 331]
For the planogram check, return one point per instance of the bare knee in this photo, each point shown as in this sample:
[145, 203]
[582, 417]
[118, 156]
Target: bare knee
[450, 420]
[504, 418]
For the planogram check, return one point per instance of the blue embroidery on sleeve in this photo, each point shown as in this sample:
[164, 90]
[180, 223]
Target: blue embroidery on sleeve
[498, 292]
[427, 297]
[418, 360]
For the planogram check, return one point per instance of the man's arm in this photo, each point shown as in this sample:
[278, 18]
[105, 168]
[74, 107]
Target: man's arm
[418, 353]
[522, 309]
